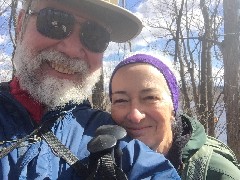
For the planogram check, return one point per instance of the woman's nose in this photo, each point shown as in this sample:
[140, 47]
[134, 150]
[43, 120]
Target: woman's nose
[135, 115]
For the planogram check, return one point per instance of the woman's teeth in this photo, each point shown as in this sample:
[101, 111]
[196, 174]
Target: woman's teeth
[62, 69]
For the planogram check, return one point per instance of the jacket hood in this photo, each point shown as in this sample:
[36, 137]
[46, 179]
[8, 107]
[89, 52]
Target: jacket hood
[197, 136]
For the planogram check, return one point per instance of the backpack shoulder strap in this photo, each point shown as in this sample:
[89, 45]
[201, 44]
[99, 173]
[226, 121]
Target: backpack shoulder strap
[222, 149]
[197, 166]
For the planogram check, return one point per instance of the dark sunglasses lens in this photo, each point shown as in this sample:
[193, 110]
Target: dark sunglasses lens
[54, 24]
[94, 37]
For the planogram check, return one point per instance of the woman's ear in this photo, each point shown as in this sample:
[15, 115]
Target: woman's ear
[173, 115]
[20, 20]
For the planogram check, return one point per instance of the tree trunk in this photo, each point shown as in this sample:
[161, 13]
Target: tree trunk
[206, 84]
[210, 96]
[13, 22]
[98, 94]
[203, 111]
[231, 54]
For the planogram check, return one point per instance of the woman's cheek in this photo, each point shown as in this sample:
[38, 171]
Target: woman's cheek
[116, 115]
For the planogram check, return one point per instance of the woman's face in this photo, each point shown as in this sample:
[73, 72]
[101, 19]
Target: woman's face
[141, 103]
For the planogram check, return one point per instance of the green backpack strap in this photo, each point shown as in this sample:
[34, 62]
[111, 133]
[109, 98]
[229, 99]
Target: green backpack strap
[222, 149]
[197, 165]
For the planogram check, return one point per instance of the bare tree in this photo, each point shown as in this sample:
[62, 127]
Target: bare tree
[231, 54]
[196, 43]
[7, 33]
[13, 22]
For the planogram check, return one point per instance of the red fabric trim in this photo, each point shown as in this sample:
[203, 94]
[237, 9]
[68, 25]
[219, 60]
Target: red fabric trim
[34, 108]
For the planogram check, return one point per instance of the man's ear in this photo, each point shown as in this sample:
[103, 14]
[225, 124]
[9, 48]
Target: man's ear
[20, 20]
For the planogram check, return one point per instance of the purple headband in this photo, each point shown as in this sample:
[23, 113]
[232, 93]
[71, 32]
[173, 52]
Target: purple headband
[164, 69]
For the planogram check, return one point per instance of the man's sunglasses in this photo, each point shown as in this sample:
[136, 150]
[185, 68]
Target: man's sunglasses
[57, 24]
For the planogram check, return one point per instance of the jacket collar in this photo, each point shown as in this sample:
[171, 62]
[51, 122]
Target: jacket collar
[34, 108]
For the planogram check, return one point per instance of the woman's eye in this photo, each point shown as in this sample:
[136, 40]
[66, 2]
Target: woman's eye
[119, 101]
[151, 98]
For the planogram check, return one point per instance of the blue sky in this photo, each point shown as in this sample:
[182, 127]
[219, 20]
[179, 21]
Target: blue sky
[132, 4]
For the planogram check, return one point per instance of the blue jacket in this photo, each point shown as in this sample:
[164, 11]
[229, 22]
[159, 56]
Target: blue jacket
[74, 126]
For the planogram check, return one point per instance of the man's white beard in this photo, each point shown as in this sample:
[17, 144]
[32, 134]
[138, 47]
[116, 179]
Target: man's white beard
[50, 91]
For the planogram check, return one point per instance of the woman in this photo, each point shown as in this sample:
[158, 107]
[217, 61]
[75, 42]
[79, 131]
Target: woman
[144, 96]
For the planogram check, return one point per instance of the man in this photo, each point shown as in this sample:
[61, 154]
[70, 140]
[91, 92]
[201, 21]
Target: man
[45, 121]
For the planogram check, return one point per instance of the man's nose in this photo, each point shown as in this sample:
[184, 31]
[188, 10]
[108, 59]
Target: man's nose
[135, 115]
[72, 46]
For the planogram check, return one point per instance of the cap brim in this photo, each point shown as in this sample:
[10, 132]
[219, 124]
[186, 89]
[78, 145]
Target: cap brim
[124, 24]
